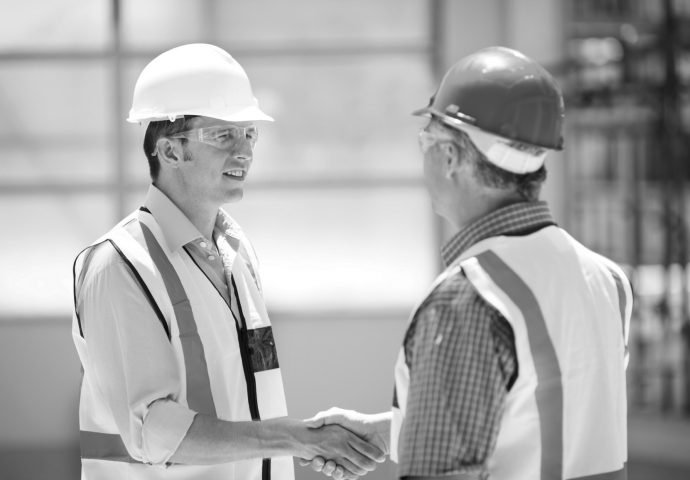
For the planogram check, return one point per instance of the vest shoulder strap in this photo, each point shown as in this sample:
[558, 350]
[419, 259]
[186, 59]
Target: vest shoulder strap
[81, 265]
[152, 255]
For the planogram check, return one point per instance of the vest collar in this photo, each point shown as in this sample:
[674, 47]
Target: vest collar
[516, 219]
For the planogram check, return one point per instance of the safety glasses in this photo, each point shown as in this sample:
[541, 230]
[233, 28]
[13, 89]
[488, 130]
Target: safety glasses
[429, 139]
[222, 137]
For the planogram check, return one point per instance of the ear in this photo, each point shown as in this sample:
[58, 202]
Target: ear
[168, 152]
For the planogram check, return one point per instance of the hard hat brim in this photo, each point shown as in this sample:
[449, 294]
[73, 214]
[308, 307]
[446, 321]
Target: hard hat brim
[496, 149]
[249, 114]
[422, 112]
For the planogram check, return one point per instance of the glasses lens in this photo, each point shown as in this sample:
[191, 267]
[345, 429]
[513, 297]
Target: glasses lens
[228, 135]
[426, 140]
[429, 139]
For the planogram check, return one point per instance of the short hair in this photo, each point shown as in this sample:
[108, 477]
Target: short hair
[526, 185]
[158, 129]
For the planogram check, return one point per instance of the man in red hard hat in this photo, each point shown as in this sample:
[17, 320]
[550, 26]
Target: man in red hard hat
[181, 374]
[513, 365]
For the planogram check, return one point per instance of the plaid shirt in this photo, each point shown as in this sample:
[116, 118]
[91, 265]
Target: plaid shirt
[461, 355]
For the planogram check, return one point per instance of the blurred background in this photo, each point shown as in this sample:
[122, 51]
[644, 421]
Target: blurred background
[335, 204]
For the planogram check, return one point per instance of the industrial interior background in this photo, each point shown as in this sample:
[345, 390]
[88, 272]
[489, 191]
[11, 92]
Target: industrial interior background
[335, 204]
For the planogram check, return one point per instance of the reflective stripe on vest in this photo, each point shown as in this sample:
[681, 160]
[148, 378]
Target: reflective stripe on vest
[623, 307]
[199, 396]
[549, 395]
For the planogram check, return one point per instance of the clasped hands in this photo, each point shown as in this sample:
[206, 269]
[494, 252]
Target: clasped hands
[352, 446]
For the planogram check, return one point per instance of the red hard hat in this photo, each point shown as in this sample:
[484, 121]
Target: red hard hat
[501, 92]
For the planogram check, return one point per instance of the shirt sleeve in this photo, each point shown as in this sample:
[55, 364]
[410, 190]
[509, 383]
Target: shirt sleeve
[462, 363]
[131, 361]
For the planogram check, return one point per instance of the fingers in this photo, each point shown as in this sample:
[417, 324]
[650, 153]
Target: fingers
[357, 462]
[329, 468]
[369, 450]
[316, 463]
[340, 473]
[354, 468]
[353, 453]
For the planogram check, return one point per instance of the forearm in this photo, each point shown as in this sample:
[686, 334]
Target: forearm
[210, 440]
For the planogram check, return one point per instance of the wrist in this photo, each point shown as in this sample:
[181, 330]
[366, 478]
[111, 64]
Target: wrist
[284, 436]
[380, 421]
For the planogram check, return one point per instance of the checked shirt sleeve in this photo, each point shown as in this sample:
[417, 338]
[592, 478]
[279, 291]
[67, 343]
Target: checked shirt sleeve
[460, 352]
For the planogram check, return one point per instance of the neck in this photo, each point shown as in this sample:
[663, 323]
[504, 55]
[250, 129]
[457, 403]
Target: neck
[202, 215]
[469, 212]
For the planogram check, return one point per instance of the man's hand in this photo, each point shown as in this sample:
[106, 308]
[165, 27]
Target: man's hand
[349, 455]
[373, 428]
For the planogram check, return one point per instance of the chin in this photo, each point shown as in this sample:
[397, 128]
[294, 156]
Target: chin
[234, 196]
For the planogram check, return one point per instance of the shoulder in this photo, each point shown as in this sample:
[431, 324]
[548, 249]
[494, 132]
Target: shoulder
[453, 306]
[102, 259]
[457, 294]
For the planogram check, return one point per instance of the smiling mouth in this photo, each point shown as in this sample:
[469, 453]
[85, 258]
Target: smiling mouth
[235, 174]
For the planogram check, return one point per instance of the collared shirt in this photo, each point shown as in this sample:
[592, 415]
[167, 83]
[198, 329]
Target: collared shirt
[128, 349]
[461, 355]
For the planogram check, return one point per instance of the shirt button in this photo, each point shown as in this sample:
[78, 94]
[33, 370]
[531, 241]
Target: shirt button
[203, 245]
[211, 257]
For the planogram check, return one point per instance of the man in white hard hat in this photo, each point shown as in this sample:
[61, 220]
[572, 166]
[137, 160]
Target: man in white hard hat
[181, 375]
[513, 365]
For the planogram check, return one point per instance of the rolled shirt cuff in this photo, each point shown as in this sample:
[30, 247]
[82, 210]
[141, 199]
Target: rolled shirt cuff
[165, 426]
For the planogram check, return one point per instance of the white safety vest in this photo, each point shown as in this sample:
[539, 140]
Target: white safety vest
[569, 308]
[236, 377]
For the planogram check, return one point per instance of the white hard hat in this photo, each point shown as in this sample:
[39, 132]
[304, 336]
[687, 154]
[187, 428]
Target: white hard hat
[195, 79]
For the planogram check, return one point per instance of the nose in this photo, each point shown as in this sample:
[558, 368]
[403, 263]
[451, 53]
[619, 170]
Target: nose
[243, 151]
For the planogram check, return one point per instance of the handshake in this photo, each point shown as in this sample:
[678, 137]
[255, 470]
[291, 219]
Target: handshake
[345, 444]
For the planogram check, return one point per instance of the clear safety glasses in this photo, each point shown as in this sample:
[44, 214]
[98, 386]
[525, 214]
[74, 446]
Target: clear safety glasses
[429, 139]
[222, 136]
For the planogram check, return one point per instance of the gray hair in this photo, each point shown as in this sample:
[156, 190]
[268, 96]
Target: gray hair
[527, 185]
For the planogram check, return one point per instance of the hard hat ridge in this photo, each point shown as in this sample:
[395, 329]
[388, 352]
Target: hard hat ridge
[194, 79]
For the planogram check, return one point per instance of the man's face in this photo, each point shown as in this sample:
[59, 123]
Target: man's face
[216, 165]
[434, 142]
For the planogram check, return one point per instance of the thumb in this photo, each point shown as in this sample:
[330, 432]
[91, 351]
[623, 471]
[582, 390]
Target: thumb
[337, 419]
[315, 422]
[326, 417]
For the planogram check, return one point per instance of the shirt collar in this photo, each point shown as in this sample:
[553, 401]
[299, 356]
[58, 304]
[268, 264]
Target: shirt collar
[226, 225]
[177, 229]
[516, 219]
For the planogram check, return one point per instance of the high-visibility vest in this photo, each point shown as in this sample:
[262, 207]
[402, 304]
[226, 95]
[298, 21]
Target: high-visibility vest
[569, 308]
[231, 373]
